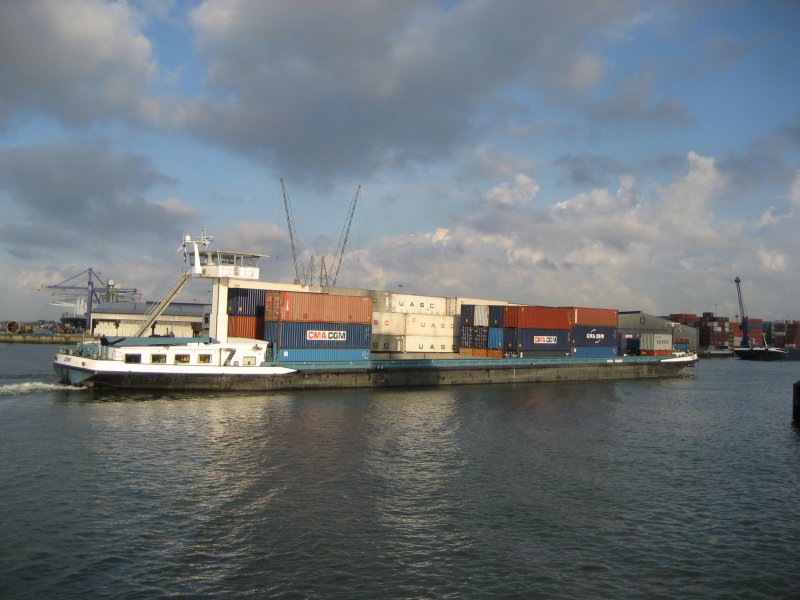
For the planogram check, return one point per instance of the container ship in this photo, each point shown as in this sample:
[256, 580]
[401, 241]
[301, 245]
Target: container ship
[264, 336]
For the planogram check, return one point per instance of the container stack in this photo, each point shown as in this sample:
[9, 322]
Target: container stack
[245, 313]
[412, 332]
[594, 332]
[714, 332]
[305, 326]
[481, 332]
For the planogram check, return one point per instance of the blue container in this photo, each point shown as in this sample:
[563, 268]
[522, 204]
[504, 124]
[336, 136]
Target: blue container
[495, 338]
[294, 334]
[594, 351]
[246, 302]
[588, 335]
[474, 337]
[546, 340]
[468, 314]
[511, 340]
[496, 315]
[323, 354]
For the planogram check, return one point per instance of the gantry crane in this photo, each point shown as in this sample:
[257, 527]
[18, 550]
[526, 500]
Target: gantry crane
[304, 276]
[742, 315]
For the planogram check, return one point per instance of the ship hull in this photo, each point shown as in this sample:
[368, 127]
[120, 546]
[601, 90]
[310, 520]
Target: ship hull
[761, 354]
[376, 374]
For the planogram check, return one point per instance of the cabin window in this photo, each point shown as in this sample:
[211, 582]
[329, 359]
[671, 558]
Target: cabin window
[204, 359]
[249, 361]
[181, 359]
[158, 359]
[133, 358]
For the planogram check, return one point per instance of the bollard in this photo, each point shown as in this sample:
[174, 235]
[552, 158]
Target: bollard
[796, 403]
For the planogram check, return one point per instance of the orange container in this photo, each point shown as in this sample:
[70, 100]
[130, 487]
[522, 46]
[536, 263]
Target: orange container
[309, 307]
[538, 317]
[246, 327]
[599, 317]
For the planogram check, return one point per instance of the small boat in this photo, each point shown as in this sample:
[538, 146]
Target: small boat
[762, 353]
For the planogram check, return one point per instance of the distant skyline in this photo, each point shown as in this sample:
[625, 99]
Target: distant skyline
[635, 155]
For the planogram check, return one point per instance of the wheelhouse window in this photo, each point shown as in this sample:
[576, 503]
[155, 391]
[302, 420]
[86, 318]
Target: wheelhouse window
[204, 359]
[133, 358]
[181, 359]
[158, 359]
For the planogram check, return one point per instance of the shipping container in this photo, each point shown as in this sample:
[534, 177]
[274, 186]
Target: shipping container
[468, 314]
[496, 316]
[544, 354]
[606, 317]
[474, 337]
[495, 341]
[481, 315]
[409, 303]
[543, 339]
[299, 334]
[455, 305]
[246, 302]
[317, 308]
[538, 317]
[656, 352]
[251, 327]
[412, 343]
[388, 323]
[655, 341]
[430, 325]
[594, 351]
[323, 354]
[585, 335]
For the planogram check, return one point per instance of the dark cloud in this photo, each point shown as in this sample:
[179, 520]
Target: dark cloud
[344, 86]
[87, 190]
[591, 170]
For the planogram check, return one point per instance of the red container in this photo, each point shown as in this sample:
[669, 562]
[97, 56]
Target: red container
[538, 317]
[309, 307]
[246, 327]
[656, 352]
[599, 317]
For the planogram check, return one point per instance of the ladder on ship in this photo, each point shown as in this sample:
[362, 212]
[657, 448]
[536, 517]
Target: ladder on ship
[158, 307]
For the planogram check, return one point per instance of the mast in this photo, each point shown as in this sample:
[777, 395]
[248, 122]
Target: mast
[742, 315]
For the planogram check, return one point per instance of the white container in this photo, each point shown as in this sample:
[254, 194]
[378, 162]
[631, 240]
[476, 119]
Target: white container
[388, 323]
[431, 325]
[409, 303]
[412, 343]
[655, 341]
[481, 315]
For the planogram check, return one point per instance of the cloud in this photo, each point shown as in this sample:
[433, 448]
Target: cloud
[78, 60]
[87, 189]
[519, 194]
[346, 86]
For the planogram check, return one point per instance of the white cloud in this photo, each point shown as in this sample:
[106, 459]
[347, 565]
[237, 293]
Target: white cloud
[520, 193]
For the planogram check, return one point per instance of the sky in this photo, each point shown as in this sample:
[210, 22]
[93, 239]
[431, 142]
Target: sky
[627, 154]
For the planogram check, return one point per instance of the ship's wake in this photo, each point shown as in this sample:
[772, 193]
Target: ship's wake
[32, 387]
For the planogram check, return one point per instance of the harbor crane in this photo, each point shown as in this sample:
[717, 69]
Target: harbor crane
[81, 297]
[742, 315]
[327, 278]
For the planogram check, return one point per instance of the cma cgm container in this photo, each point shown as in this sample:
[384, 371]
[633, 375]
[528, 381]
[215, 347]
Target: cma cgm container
[298, 334]
[317, 308]
[323, 354]
[606, 317]
[538, 317]
[585, 335]
[528, 340]
[246, 302]
[655, 344]
[411, 343]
